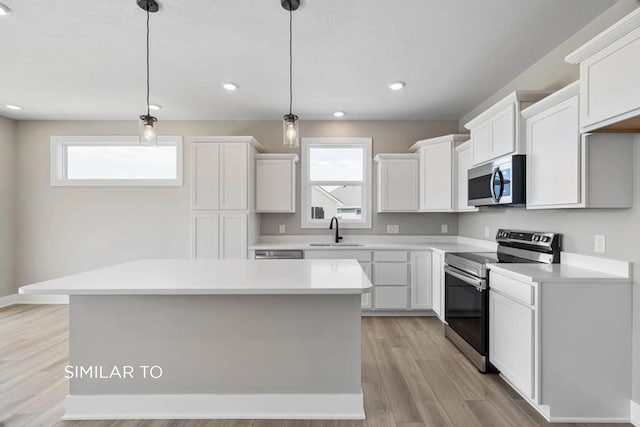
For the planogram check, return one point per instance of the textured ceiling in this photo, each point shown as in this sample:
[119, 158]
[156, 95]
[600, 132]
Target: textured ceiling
[79, 59]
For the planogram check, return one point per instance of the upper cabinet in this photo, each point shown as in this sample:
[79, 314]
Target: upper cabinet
[276, 182]
[222, 169]
[397, 182]
[436, 182]
[498, 131]
[609, 70]
[462, 165]
[568, 170]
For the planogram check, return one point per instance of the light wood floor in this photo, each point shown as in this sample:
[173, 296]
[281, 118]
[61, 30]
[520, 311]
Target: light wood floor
[412, 377]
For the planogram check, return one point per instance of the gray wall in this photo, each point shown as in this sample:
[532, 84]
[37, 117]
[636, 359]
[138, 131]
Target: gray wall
[64, 230]
[621, 227]
[7, 206]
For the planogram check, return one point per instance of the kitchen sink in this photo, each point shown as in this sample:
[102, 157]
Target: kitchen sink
[335, 244]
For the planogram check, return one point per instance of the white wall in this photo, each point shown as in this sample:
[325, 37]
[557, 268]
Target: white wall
[63, 230]
[7, 206]
[621, 226]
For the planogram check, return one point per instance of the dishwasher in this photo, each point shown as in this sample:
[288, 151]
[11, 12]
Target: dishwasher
[279, 254]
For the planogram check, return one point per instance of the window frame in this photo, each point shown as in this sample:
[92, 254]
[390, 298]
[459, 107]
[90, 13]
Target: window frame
[366, 143]
[58, 161]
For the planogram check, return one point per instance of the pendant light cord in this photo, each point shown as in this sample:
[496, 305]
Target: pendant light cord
[148, 108]
[290, 58]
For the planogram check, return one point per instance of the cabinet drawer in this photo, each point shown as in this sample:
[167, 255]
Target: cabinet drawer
[515, 289]
[362, 256]
[391, 297]
[391, 256]
[391, 273]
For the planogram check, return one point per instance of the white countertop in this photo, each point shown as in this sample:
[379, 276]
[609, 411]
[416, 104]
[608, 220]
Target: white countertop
[441, 247]
[554, 273]
[213, 277]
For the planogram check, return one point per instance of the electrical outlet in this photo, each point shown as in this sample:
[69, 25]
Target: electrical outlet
[444, 228]
[599, 244]
[282, 228]
[393, 229]
[486, 232]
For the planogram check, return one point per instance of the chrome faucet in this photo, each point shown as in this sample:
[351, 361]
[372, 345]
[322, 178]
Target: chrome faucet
[338, 236]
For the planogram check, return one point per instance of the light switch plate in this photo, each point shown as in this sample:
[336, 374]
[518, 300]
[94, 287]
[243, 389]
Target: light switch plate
[600, 244]
[282, 228]
[444, 228]
[393, 229]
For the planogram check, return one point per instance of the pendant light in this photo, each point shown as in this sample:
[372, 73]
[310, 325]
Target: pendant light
[148, 123]
[290, 121]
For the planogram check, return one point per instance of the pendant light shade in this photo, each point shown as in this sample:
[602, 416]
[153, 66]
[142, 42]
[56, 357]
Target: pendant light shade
[148, 129]
[290, 131]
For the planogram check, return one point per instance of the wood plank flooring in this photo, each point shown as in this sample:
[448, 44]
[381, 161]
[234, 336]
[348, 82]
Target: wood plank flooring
[412, 377]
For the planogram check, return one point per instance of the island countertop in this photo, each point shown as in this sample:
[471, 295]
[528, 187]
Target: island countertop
[213, 277]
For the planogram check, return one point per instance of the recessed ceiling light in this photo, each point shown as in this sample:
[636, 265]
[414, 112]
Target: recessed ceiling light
[397, 85]
[339, 114]
[4, 10]
[155, 107]
[13, 107]
[230, 86]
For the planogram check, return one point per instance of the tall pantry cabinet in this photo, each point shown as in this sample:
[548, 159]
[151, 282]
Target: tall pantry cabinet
[223, 218]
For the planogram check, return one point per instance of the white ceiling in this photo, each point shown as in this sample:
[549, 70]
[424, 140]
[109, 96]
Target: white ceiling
[79, 59]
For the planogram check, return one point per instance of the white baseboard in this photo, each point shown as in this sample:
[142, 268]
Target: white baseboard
[215, 406]
[397, 313]
[634, 417]
[8, 300]
[33, 299]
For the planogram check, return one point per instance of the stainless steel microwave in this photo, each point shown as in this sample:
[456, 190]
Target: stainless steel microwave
[500, 182]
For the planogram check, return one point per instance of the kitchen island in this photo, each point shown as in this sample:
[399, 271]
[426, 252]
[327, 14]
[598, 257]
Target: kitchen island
[214, 339]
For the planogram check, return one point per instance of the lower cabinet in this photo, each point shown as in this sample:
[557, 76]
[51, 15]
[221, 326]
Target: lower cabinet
[437, 283]
[401, 279]
[219, 235]
[511, 343]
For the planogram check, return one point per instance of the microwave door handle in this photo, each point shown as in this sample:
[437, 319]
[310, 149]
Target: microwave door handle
[496, 197]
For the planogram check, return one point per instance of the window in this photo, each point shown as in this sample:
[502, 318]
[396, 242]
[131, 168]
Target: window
[115, 161]
[336, 181]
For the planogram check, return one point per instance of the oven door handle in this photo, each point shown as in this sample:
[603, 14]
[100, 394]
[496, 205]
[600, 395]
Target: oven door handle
[479, 284]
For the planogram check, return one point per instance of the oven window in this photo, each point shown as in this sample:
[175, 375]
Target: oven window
[465, 311]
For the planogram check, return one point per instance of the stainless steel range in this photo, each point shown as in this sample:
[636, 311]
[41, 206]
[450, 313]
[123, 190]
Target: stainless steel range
[467, 287]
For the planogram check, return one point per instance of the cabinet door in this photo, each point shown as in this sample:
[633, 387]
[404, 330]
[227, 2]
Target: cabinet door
[391, 273]
[421, 293]
[233, 236]
[391, 297]
[398, 190]
[234, 163]
[481, 143]
[553, 150]
[503, 132]
[511, 338]
[204, 240]
[437, 283]
[206, 175]
[275, 185]
[436, 177]
[366, 298]
[463, 163]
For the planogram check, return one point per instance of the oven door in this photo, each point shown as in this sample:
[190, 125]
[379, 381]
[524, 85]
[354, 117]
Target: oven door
[467, 307]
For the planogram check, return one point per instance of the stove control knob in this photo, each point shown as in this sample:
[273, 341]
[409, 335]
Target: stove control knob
[546, 239]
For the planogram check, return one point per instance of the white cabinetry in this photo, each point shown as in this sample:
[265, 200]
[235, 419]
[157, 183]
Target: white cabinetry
[401, 279]
[397, 182]
[462, 163]
[546, 336]
[568, 170]
[609, 70]
[437, 172]
[437, 283]
[498, 131]
[511, 331]
[421, 293]
[276, 182]
[222, 195]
